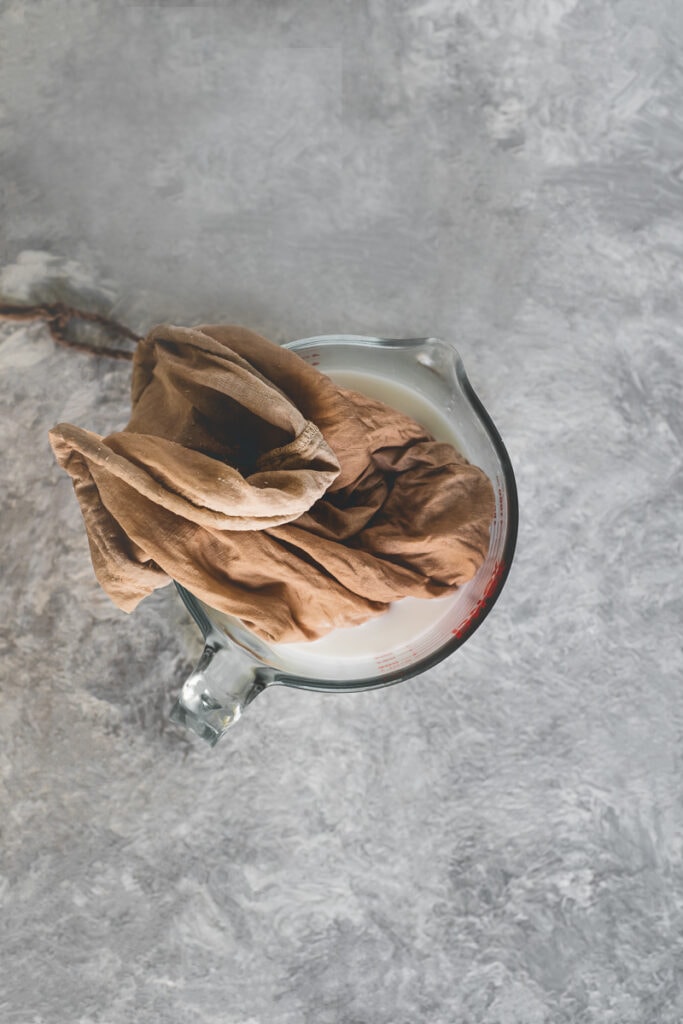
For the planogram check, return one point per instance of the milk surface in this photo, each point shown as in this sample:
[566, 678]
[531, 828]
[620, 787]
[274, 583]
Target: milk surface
[407, 620]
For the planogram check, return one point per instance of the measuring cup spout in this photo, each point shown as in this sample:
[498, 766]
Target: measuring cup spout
[213, 697]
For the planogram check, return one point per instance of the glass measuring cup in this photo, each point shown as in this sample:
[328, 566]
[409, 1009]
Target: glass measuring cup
[236, 665]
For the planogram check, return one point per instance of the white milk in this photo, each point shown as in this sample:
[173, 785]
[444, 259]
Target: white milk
[407, 620]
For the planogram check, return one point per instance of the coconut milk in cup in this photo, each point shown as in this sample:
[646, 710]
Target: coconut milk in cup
[425, 379]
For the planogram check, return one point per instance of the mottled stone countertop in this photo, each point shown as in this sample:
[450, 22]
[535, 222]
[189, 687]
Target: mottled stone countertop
[501, 840]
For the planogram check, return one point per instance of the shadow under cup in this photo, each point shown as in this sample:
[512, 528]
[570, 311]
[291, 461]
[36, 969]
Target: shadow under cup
[236, 665]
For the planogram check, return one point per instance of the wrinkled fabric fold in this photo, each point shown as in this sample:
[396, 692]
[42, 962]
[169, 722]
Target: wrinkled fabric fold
[268, 491]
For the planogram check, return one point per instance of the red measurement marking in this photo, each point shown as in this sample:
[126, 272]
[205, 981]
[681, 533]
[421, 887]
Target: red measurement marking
[475, 612]
[387, 663]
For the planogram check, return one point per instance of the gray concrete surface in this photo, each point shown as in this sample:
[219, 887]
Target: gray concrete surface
[501, 840]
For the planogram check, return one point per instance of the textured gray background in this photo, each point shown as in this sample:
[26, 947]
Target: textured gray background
[500, 841]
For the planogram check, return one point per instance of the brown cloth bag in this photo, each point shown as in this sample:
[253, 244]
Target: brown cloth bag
[269, 492]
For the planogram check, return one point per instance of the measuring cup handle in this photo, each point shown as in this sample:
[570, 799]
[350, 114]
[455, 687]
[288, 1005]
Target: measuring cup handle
[213, 697]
